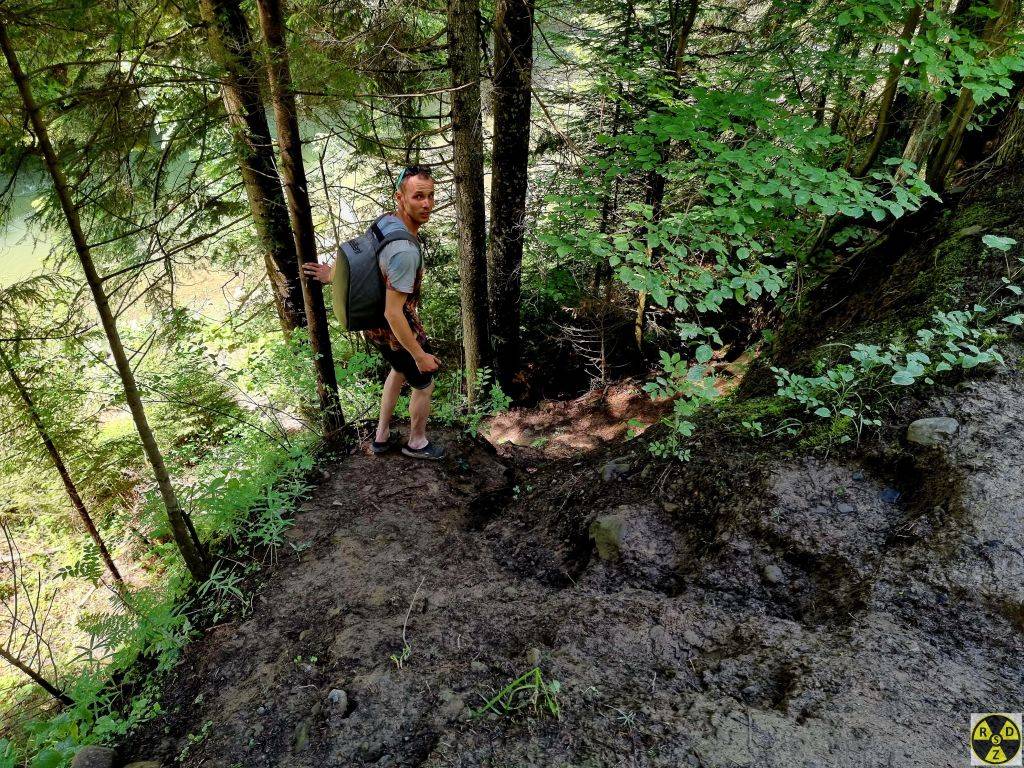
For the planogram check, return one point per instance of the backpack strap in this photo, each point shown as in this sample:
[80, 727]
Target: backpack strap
[391, 233]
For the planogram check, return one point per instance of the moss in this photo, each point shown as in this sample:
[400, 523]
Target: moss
[732, 411]
[941, 284]
[827, 433]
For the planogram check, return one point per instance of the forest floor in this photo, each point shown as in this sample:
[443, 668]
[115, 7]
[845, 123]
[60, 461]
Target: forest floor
[735, 610]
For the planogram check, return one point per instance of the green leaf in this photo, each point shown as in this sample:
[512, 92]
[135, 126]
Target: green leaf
[903, 378]
[998, 242]
[48, 758]
[823, 412]
[704, 353]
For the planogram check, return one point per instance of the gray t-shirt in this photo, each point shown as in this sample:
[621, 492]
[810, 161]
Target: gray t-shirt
[400, 262]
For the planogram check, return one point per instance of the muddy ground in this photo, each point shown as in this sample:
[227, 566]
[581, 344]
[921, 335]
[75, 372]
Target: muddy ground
[777, 613]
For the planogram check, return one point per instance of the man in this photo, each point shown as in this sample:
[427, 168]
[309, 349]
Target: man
[402, 341]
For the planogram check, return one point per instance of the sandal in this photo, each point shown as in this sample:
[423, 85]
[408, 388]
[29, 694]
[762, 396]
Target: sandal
[429, 451]
[393, 441]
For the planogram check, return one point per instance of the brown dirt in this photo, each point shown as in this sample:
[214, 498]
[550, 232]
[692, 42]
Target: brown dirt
[564, 428]
[779, 613]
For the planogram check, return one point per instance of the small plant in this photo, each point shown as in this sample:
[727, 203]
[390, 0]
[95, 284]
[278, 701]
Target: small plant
[692, 387]
[221, 590]
[530, 692]
[87, 567]
[399, 659]
[192, 740]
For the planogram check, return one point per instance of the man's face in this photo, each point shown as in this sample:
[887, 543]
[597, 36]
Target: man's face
[416, 198]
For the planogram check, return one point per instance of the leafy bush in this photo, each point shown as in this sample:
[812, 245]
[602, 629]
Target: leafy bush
[848, 393]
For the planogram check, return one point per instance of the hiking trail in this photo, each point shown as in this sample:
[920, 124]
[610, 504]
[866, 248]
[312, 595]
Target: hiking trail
[795, 613]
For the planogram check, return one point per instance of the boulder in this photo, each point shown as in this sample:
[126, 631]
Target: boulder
[93, 757]
[935, 430]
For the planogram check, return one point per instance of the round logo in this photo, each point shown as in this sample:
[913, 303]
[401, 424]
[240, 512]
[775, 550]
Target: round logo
[995, 740]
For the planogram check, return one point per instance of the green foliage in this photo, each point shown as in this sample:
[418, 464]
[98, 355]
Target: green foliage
[88, 566]
[947, 56]
[451, 406]
[847, 395]
[8, 754]
[691, 386]
[529, 693]
[222, 593]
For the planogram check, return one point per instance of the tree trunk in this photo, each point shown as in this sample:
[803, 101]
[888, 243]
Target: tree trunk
[513, 69]
[62, 470]
[654, 194]
[293, 173]
[187, 543]
[468, 139]
[36, 678]
[882, 122]
[945, 153]
[230, 43]
[683, 39]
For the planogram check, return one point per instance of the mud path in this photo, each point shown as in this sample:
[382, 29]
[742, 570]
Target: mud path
[804, 614]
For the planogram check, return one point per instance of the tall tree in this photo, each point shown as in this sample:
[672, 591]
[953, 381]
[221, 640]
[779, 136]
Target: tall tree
[945, 152]
[293, 174]
[513, 71]
[58, 462]
[468, 138]
[654, 195]
[883, 122]
[231, 47]
[181, 527]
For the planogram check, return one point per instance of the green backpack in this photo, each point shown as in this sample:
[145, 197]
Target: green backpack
[358, 287]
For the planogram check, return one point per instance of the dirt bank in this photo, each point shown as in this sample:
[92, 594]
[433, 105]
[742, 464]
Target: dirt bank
[788, 613]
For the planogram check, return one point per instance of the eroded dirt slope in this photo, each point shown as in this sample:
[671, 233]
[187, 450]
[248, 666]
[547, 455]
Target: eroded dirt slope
[787, 613]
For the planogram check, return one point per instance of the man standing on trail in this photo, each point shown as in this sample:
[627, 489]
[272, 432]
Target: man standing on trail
[402, 340]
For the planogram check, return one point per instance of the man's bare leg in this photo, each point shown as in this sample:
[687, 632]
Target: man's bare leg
[419, 410]
[388, 400]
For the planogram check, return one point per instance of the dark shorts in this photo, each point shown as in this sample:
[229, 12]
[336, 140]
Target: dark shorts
[402, 362]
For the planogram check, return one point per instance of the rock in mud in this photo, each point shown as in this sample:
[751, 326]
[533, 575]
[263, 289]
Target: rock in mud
[144, 764]
[93, 757]
[606, 531]
[337, 700]
[639, 539]
[453, 706]
[773, 574]
[616, 469]
[301, 740]
[936, 430]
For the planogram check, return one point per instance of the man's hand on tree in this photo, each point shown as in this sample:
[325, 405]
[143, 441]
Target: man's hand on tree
[321, 272]
[427, 363]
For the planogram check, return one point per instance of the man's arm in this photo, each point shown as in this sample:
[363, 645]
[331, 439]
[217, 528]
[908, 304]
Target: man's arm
[394, 313]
